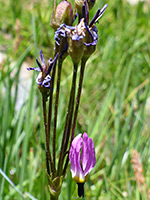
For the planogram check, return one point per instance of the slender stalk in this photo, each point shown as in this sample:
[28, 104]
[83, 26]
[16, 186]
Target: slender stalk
[68, 121]
[54, 5]
[51, 101]
[56, 109]
[71, 116]
[48, 155]
[53, 198]
[83, 64]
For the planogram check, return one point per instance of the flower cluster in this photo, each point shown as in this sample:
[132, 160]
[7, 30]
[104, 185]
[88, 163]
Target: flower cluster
[79, 42]
[82, 38]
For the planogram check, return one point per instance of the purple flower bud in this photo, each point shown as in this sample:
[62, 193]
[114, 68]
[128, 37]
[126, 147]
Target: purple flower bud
[82, 157]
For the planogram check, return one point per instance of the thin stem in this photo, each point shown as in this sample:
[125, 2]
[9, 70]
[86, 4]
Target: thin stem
[71, 114]
[54, 5]
[56, 109]
[51, 101]
[68, 121]
[48, 155]
[83, 64]
[53, 197]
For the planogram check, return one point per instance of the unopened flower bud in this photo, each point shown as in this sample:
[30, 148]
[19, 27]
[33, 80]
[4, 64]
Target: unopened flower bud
[63, 14]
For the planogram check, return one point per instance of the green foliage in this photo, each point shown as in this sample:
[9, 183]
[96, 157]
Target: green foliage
[114, 107]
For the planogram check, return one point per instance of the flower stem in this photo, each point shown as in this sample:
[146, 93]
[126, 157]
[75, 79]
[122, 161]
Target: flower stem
[81, 189]
[56, 109]
[83, 64]
[53, 197]
[68, 121]
[51, 101]
[48, 155]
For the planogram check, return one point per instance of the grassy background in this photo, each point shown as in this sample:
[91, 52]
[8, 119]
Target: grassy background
[114, 109]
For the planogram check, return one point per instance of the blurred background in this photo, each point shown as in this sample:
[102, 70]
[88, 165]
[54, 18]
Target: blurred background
[114, 109]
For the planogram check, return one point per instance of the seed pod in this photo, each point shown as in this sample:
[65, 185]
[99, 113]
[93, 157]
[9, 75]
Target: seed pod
[76, 47]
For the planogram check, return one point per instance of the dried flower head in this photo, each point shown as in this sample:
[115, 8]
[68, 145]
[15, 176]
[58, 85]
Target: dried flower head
[138, 170]
[81, 39]
[43, 79]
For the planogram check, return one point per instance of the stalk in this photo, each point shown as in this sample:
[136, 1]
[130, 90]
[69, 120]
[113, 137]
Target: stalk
[68, 121]
[56, 109]
[53, 197]
[48, 154]
[68, 130]
[83, 64]
[51, 101]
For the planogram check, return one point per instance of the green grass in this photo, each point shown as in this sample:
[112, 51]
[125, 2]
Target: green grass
[114, 108]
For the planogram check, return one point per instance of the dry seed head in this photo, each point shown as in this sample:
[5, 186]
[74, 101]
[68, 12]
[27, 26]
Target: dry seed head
[138, 171]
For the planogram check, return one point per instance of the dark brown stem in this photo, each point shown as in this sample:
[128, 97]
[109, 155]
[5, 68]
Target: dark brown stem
[51, 101]
[53, 197]
[83, 64]
[68, 121]
[48, 155]
[56, 109]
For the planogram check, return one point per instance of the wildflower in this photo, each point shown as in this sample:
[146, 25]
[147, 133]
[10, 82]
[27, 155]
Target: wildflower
[82, 162]
[43, 79]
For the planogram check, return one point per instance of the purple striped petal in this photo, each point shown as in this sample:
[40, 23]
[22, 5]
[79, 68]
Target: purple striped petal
[74, 156]
[42, 58]
[34, 68]
[46, 82]
[82, 157]
[88, 154]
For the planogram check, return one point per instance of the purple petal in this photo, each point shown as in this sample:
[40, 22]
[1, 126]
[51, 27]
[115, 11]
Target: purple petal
[64, 50]
[94, 36]
[90, 44]
[74, 17]
[88, 154]
[101, 12]
[38, 79]
[74, 156]
[38, 63]
[52, 64]
[42, 57]
[50, 61]
[46, 82]
[77, 37]
[34, 68]
[58, 34]
[94, 18]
